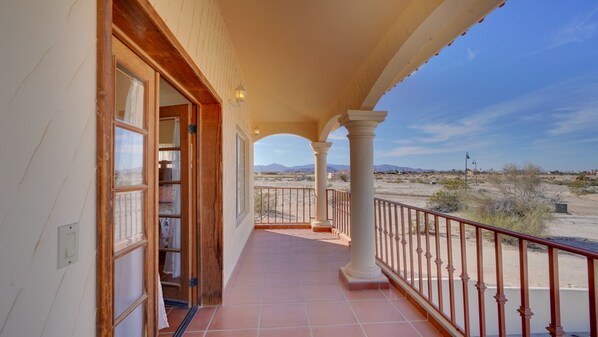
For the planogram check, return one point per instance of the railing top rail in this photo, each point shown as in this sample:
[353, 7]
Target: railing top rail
[286, 188]
[529, 238]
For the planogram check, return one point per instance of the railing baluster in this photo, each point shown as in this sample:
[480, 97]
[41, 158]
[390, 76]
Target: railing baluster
[312, 195]
[303, 207]
[524, 310]
[383, 242]
[387, 242]
[419, 251]
[268, 205]
[410, 229]
[450, 268]
[261, 205]
[376, 227]
[348, 213]
[404, 243]
[500, 297]
[555, 328]
[480, 285]
[593, 297]
[282, 206]
[396, 239]
[438, 262]
[297, 206]
[391, 237]
[428, 256]
[464, 278]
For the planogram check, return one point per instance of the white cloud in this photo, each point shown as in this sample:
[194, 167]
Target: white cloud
[578, 30]
[471, 54]
[403, 141]
[442, 132]
[409, 151]
[519, 109]
[576, 120]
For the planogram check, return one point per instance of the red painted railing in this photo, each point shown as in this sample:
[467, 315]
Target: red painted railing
[339, 210]
[442, 259]
[478, 278]
[284, 205]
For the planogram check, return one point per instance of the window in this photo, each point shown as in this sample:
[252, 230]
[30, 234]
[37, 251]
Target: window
[241, 175]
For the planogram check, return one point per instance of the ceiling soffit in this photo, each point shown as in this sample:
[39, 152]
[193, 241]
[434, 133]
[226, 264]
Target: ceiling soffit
[307, 61]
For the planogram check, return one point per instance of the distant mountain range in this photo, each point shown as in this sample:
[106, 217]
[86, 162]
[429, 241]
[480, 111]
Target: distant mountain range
[274, 167]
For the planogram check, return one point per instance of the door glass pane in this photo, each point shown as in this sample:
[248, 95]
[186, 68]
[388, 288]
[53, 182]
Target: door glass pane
[128, 157]
[170, 165]
[128, 219]
[170, 237]
[170, 129]
[170, 199]
[128, 280]
[129, 104]
[133, 325]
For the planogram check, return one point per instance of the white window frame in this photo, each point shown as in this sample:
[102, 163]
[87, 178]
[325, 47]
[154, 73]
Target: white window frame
[241, 176]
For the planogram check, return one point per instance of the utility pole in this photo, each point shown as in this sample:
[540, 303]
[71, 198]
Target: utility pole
[475, 172]
[466, 157]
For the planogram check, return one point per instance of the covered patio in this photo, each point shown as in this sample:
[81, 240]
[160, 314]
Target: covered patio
[286, 284]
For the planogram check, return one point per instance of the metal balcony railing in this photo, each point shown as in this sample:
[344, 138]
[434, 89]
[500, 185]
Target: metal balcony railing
[474, 276]
[283, 205]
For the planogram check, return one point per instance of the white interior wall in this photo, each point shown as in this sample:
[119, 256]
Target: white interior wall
[47, 170]
[200, 28]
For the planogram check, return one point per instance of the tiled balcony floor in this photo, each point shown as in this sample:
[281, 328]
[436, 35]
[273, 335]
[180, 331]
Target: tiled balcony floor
[287, 284]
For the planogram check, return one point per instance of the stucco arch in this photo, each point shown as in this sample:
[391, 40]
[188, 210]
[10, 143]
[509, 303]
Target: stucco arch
[331, 125]
[304, 130]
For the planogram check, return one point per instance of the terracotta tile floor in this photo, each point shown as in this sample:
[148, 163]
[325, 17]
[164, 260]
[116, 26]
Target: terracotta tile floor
[287, 284]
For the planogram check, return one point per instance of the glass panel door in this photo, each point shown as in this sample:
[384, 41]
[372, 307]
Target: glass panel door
[133, 187]
[173, 200]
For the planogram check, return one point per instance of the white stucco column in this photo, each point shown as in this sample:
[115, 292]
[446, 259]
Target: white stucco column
[320, 223]
[362, 272]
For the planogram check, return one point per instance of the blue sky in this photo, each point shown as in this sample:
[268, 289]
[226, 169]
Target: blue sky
[520, 87]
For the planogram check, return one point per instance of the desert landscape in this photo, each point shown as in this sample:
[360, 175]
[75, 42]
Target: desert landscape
[578, 226]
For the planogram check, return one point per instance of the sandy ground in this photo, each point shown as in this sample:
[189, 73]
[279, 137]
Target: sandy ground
[578, 227]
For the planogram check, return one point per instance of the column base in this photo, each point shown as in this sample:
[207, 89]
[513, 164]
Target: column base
[321, 226]
[354, 283]
[342, 236]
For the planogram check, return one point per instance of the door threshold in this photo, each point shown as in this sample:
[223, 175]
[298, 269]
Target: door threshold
[185, 323]
[176, 303]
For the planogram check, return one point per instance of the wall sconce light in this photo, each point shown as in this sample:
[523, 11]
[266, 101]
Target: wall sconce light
[240, 95]
[256, 131]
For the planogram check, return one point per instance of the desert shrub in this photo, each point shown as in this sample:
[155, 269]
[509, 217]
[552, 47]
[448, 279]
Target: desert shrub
[343, 177]
[582, 185]
[451, 198]
[519, 206]
[261, 202]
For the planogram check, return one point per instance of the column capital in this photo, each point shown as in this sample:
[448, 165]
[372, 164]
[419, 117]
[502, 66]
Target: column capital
[362, 122]
[320, 147]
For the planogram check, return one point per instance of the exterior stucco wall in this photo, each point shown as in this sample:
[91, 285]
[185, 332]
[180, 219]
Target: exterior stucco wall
[200, 28]
[47, 170]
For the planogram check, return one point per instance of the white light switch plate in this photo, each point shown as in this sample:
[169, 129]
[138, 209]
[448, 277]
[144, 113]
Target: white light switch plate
[68, 244]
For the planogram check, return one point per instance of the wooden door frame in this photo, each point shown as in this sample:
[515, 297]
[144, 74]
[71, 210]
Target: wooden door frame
[138, 25]
[187, 173]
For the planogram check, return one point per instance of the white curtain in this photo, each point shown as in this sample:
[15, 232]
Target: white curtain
[172, 265]
[134, 104]
[162, 316]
